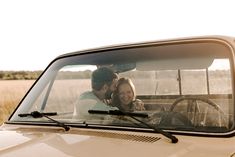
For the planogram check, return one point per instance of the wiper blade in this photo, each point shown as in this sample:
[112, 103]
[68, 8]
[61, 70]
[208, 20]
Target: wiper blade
[133, 116]
[118, 112]
[36, 114]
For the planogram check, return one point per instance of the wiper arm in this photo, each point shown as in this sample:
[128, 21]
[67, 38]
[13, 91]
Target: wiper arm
[36, 114]
[167, 134]
[133, 116]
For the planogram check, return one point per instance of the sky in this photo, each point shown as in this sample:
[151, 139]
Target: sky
[34, 32]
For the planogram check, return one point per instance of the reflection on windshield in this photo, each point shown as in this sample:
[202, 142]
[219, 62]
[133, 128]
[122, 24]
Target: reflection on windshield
[220, 64]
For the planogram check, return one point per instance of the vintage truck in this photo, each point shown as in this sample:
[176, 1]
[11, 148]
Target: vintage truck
[186, 89]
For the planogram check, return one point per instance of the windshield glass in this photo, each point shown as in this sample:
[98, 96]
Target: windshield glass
[185, 87]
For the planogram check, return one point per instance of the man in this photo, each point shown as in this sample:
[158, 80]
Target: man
[103, 83]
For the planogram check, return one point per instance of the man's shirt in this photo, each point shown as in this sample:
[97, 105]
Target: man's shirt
[89, 101]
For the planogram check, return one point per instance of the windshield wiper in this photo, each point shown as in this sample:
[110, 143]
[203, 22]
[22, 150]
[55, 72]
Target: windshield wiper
[118, 112]
[133, 116]
[36, 114]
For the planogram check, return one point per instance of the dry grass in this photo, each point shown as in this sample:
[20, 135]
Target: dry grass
[11, 92]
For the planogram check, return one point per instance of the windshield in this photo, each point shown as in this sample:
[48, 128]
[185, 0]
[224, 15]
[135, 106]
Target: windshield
[185, 87]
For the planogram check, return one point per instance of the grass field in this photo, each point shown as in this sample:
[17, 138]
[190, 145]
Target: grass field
[11, 92]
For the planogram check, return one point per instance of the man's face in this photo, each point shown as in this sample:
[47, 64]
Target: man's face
[111, 89]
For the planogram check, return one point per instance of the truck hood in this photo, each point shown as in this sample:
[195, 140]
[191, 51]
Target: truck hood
[48, 141]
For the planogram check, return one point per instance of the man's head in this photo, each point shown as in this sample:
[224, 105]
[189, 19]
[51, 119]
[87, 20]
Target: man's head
[104, 80]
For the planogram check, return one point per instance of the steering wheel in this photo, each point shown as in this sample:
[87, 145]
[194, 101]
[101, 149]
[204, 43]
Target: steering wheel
[194, 100]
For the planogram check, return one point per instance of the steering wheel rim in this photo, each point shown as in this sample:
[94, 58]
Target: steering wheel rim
[203, 99]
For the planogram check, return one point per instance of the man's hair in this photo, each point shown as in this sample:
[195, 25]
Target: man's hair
[102, 76]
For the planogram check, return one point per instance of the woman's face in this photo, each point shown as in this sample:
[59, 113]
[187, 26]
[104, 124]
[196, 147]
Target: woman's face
[125, 94]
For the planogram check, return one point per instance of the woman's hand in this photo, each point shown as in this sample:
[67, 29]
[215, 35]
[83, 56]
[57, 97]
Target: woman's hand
[138, 105]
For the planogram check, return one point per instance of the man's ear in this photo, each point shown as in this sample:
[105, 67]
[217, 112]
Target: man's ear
[105, 87]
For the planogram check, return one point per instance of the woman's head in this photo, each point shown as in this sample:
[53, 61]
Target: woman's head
[125, 91]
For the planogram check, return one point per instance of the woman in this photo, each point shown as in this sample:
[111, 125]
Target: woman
[124, 97]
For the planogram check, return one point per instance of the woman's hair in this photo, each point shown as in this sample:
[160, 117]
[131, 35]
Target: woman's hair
[115, 98]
